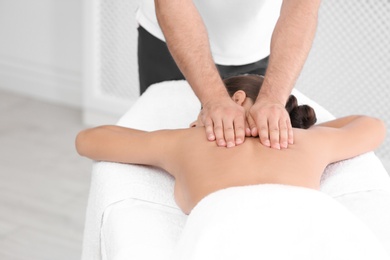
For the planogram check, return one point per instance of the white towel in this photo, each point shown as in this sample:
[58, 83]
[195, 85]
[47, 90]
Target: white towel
[275, 222]
[362, 173]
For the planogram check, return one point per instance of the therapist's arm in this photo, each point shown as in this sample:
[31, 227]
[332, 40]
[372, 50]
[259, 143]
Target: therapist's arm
[188, 42]
[290, 45]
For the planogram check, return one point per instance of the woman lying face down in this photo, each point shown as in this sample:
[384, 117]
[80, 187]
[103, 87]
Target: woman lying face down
[201, 167]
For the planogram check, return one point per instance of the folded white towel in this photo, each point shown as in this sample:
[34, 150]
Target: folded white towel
[362, 173]
[275, 222]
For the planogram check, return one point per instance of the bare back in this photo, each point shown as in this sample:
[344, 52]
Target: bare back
[201, 167]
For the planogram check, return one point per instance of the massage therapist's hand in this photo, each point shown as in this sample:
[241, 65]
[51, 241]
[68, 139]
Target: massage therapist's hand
[271, 122]
[224, 121]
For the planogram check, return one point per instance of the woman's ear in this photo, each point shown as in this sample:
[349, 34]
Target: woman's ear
[239, 97]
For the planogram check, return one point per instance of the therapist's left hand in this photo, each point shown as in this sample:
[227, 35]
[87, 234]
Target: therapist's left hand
[269, 120]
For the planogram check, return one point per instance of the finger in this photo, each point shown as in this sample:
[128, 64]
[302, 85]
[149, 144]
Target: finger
[274, 133]
[283, 133]
[252, 131]
[208, 124]
[218, 131]
[228, 130]
[263, 127]
[247, 129]
[239, 129]
[290, 132]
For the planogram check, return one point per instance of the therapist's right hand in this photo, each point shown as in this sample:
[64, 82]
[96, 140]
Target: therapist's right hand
[224, 121]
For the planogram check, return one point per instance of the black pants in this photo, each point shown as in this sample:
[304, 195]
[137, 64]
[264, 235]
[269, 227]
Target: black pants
[156, 64]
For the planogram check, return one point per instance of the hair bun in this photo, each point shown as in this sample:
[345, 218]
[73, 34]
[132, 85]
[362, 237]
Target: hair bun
[301, 116]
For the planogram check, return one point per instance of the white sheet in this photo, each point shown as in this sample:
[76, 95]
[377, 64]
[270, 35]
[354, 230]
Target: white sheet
[173, 105]
[275, 222]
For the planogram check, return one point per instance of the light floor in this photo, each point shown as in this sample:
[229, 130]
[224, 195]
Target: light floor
[44, 184]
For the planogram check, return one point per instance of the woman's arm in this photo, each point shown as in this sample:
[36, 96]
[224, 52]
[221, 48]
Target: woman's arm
[340, 122]
[126, 145]
[350, 136]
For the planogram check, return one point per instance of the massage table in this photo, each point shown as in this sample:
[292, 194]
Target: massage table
[131, 211]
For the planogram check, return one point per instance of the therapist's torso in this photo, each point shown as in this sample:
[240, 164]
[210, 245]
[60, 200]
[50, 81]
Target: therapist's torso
[239, 31]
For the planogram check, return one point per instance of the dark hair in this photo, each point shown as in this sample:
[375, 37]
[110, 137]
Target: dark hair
[302, 116]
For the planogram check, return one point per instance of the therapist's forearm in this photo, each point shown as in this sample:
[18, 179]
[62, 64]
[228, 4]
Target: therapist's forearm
[188, 42]
[290, 45]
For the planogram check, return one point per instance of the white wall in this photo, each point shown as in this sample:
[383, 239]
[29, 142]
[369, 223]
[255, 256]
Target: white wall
[41, 49]
[348, 68]
[111, 68]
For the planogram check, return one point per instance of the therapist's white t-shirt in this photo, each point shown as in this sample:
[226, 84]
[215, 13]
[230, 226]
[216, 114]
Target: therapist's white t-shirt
[239, 31]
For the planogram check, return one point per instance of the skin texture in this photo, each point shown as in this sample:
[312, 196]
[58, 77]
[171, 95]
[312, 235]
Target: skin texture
[225, 122]
[201, 167]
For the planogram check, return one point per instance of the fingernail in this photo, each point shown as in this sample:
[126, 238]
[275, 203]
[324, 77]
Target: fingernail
[230, 144]
[284, 145]
[277, 146]
[267, 143]
[221, 143]
[211, 137]
[253, 131]
[238, 141]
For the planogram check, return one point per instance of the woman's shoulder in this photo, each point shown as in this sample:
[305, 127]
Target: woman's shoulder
[175, 140]
[179, 134]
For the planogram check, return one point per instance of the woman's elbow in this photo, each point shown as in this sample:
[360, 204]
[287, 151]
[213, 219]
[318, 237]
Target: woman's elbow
[81, 143]
[378, 129]
[89, 140]
[382, 129]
